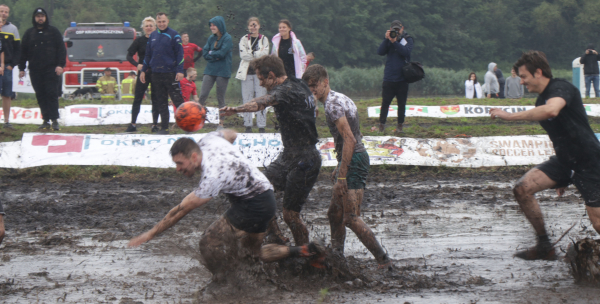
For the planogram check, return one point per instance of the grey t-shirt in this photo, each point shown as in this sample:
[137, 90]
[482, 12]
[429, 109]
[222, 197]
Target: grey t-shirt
[336, 106]
[226, 170]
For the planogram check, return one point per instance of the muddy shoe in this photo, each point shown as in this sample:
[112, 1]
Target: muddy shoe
[248, 130]
[55, 126]
[131, 129]
[45, 125]
[381, 127]
[154, 129]
[541, 251]
[8, 125]
[261, 130]
[398, 129]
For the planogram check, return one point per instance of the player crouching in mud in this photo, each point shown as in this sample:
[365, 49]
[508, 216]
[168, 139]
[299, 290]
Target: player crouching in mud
[239, 233]
[561, 113]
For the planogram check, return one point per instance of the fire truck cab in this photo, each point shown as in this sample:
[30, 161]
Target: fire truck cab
[93, 47]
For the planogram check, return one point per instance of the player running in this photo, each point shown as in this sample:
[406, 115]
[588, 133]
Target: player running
[560, 111]
[224, 170]
[296, 168]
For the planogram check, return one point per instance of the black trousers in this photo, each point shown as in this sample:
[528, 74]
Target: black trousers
[45, 84]
[140, 90]
[389, 91]
[165, 86]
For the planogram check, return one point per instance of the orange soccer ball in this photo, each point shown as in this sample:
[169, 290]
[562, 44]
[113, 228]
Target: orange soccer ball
[190, 116]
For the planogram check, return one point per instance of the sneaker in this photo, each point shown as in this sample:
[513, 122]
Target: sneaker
[261, 130]
[163, 132]
[541, 251]
[398, 129]
[45, 125]
[381, 127]
[154, 129]
[8, 125]
[55, 126]
[131, 128]
[248, 130]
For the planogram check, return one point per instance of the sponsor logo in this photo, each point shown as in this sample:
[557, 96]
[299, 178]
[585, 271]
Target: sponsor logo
[418, 109]
[391, 109]
[450, 110]
[588, 108]
[61, 143]
[87, 112]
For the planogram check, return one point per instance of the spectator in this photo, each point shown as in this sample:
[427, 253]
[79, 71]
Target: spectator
[44, 49]
[472, 87]
[217, 53]
[188, 86]
[290, 50]
[107, 85]
[128, 87]
[188, 53]
[139, 46]
[309, 57]
[513, 87]
[398, 50]
[590, 69]
[492, 87]
[501, 82]
[252, 45]
[12, 52]
[164, 56]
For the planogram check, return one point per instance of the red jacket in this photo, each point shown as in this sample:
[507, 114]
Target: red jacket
[188, 54]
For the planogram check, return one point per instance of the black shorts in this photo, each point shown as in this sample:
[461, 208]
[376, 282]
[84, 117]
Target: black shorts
[254, 214]
[586, 180]
[295, 171]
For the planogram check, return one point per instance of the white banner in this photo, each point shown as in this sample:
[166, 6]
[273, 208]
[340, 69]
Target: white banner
[462, 110]
[9, 154]
[93, 115]
[21, 85]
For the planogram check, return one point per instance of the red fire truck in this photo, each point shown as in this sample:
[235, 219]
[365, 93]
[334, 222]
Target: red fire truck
[93, 47]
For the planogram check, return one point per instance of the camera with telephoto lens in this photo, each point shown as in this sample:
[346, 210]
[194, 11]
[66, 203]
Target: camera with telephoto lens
[394, 33]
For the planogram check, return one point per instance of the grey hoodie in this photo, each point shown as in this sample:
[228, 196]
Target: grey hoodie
[491, 81]
[513, 87]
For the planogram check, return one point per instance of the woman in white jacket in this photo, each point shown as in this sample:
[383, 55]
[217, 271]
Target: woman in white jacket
[292, 53]
[252, 45]
[472, 87]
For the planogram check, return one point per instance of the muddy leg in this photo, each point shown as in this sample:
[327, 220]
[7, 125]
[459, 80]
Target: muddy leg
[218, 246]
[1, 228]
[299, 231]
[593, 213]
[336, 224]
[273, 234]
[353, 221]
[532, 182]
[250, 242]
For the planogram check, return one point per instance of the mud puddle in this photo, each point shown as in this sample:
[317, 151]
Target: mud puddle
[452, 241]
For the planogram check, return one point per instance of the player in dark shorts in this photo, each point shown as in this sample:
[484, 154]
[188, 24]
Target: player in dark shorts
[2, 214]
[560, 111]
[296, 168]
[224, 169]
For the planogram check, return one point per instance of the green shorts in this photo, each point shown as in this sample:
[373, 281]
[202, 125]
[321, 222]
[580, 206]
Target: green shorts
[358, 171]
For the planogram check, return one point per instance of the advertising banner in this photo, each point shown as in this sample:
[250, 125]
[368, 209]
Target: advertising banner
[463, 110]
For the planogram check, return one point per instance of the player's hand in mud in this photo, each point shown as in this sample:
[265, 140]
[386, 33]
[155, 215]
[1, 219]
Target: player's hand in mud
[497, 112]
[560, 191]
[340, 188]
[227, 111]
[140, 239]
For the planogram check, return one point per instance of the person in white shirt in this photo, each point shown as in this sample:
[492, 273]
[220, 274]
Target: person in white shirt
[472, 87]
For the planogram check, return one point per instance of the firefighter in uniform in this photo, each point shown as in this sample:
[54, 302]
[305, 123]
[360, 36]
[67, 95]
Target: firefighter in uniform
[128, 87]
[107, 85]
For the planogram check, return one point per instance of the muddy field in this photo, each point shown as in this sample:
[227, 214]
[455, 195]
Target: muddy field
[451, 236]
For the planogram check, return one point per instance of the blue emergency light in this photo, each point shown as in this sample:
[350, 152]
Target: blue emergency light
[73, 24]
[126, 23]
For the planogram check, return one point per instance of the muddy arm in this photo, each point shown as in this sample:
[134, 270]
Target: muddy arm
[188, 204]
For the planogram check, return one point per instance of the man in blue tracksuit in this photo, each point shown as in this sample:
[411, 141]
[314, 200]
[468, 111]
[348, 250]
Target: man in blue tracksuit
[397, 45]
[164, 55]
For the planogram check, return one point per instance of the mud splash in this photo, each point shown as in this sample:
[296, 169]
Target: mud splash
[452, 240]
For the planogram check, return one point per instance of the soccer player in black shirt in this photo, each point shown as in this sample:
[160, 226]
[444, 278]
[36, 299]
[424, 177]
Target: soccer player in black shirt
[560, 111]
[296, 168]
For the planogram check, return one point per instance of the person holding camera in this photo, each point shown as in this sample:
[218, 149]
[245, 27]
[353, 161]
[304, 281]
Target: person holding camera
[590, 69]
[397, 45]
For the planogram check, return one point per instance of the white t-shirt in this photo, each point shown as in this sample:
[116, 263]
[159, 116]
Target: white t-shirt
[226, 170]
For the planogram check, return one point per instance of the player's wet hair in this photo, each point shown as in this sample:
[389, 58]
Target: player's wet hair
[533, 60]
[268, 63]
[314, 74]
[185, 146]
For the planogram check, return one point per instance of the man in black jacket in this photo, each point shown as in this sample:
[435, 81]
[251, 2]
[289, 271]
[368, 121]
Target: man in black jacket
[590, 69]
[43, 46]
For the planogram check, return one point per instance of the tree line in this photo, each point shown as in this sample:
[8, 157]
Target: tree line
[453, 34]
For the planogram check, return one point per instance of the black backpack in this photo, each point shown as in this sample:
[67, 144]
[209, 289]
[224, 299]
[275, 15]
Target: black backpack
[413, 71]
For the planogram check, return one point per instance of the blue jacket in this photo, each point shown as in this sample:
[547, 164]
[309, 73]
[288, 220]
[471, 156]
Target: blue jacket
[218, 58]
[164, 52]
[397, 56]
